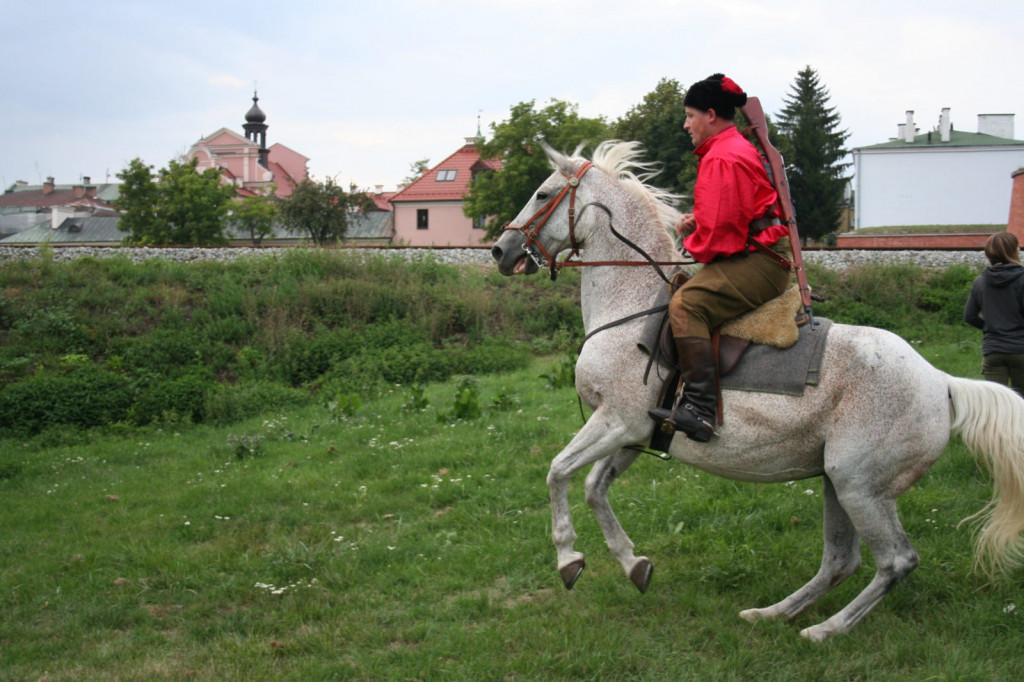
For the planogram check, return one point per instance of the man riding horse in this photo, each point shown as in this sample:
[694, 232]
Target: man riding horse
[732, 230]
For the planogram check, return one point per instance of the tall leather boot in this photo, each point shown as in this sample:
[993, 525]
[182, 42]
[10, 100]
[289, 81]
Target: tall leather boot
[696, 410]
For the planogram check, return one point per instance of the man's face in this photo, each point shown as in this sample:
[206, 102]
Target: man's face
[698, 124]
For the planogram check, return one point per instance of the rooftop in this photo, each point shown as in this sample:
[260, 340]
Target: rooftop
[450, 179]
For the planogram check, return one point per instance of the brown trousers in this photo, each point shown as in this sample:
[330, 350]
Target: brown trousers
[726, 288]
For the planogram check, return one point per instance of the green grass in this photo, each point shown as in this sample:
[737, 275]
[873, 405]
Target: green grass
[403, 532]
[398, 544]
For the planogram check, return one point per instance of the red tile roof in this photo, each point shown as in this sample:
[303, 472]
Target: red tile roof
[448, 180]
[382, 200]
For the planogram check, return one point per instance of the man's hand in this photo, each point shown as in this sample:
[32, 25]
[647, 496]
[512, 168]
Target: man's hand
[686, 224]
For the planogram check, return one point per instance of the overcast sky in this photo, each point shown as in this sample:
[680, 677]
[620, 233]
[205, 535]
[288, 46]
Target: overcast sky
[366, 88]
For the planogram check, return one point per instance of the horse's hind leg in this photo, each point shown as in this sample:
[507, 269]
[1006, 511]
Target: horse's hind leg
[877, 521]
[840, 560]
[599, 479]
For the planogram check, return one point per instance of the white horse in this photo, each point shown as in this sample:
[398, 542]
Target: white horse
[877, 420]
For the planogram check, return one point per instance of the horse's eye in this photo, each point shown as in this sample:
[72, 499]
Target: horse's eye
[542, 196]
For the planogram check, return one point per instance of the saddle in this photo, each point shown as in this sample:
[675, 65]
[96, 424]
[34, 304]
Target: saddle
[776, 323]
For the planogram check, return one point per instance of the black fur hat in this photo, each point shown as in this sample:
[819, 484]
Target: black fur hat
[716, 92]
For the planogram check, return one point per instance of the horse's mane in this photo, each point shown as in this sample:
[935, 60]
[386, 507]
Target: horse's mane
[621, 160]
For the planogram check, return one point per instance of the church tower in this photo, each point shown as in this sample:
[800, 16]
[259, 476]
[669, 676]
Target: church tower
[256, 128]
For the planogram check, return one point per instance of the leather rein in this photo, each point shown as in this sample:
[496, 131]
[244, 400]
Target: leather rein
[532, 227]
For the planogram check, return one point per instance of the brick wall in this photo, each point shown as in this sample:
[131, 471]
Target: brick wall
[913, 241]
[1016, 221]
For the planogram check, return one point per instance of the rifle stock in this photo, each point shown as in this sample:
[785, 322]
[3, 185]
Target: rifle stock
[754, 114]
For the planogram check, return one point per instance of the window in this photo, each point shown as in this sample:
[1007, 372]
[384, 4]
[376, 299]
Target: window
[480, 222]
[446, 176]
[421, 218]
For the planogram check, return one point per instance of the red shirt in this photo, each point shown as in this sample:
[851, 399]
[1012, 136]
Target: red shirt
[732, 189]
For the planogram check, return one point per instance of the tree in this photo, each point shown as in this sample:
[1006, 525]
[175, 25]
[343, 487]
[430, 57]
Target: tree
[501, 194]
[812, 144]
[255, 216]
[322, 210]
[416, 171]
[657, 124]
[178, 206]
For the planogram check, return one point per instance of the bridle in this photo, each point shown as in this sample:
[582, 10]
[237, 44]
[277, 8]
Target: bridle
[532, 227]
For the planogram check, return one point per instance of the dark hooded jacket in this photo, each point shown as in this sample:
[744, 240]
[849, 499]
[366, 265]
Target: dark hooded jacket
[996, 306]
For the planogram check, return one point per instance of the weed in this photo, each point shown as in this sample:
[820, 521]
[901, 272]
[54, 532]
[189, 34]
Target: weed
[345, 405]
[505, 400]
[417, 399]
[246, 445]
[466, 404]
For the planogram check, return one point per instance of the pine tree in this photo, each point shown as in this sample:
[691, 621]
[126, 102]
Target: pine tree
[812, 145]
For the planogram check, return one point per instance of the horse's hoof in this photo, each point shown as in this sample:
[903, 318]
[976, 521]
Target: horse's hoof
[753, 615]
[641, 574]
[571, 572]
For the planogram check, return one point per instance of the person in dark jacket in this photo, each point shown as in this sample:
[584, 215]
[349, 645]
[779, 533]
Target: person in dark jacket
[996, 306]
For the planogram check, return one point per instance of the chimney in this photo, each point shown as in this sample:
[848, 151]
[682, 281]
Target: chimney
[48, 185]
[908, 128]
[945, 129]
[378, 189]
[997, 125]
[77, 191]
[58, 214]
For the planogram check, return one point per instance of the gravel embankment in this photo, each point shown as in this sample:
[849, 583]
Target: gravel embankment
[838, 259]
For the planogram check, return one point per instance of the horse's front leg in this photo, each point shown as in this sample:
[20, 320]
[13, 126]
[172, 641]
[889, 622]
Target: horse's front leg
[600, 437]
[638, 569]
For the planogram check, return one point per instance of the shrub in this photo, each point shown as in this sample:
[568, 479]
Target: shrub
[229, 403]
[308, 357]
[164, 352]
[417, 363]
[947, 291]
[85, 396]
[51, 329]
[182, 397]
[494, 355]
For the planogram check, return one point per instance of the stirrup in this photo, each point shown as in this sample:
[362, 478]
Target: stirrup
[683, 418]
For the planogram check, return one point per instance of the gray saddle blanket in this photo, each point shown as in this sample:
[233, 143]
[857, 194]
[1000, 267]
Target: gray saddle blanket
[765, 369]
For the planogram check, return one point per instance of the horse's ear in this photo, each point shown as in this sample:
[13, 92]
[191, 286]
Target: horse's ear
[560, 161]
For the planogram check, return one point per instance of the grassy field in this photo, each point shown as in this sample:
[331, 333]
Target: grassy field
[398, 543]
[402, 533]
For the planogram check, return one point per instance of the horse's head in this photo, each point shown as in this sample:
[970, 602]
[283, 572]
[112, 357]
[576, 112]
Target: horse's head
[541, 231]
[552, 221]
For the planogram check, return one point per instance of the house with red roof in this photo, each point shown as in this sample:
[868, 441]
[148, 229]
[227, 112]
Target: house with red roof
[246, 162]
[428, 212]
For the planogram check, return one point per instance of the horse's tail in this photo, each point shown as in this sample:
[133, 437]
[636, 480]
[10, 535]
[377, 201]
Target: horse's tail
[990, 419]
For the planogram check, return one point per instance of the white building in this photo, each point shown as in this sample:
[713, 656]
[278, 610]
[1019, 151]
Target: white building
[943, 177]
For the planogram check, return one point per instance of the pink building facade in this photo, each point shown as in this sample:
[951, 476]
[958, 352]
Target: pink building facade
[245, 160]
